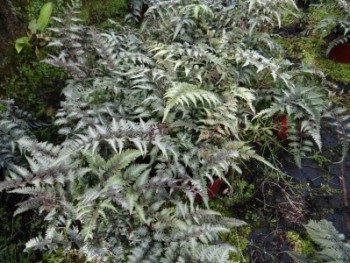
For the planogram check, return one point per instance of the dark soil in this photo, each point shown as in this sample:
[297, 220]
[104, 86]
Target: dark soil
[313, 202]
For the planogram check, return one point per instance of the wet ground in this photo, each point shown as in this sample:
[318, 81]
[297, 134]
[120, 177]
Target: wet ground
[320, 196]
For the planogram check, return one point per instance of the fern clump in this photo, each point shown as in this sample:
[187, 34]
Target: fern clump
[332, 245]
[149, 117]
[122, 185]
[14, 124]
[337, 24]
[115, 210]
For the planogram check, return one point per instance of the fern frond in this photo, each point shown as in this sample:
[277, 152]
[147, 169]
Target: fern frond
[184, 94]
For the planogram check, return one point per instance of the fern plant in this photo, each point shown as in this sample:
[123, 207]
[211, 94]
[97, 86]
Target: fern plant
[339, 25]
[110, 210]
[332, 244]
[14, 124]
[214, 49]
[122, 185]
[303, 106]
[148, 118]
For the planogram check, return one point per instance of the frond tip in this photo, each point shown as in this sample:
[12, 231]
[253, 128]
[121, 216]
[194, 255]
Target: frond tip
[185, 93]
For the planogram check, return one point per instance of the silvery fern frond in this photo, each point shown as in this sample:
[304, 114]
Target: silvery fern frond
[14, 124]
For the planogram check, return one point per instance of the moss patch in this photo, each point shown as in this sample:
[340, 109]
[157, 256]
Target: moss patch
[311, 50]
[34, 84]
[337, 71]
[96, 12]
[238, 237]
[317, 13]
[301, 246]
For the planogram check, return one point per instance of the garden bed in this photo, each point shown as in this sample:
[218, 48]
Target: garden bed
[165, 135]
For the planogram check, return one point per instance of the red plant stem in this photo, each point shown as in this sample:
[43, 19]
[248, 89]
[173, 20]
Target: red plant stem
[343, 184]
[345, 194]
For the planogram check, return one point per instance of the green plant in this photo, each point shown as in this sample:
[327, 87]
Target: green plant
[35, 86]
[333, 246]
[300, 245]
[14, 124]
[148, 118]
[338, 25]
[320, 159]
[11, 254]
[96, 12]
[36, 28]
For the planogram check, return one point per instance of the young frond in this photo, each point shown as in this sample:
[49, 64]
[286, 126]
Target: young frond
[334, 248]
[184, 94]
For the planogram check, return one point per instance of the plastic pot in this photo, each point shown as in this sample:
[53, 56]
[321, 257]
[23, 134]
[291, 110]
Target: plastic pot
[340, 53]
[283, 128]
[213, 190]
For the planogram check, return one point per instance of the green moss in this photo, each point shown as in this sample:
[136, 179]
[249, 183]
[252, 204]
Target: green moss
[241, 191]
[318, 13]
[239, 238]
[301, 246]
[320, 159]
[34, 85]
[301, 48]
[311, 50]
[33, 8]
[337, 71]
[293, 20]
[96, 12]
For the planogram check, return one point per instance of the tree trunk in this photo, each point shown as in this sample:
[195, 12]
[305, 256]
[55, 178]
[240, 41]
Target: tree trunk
[11, 27]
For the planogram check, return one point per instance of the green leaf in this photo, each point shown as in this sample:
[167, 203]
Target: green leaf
[45, 14]
[185, 94]
[21, 43]
[141, 214]
[33, 27]
[143, 179]
[298, 258]
[120, 161]
[131, 198]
